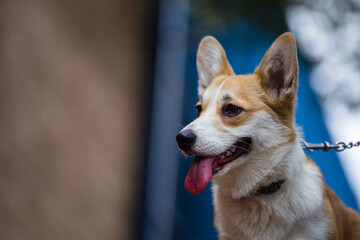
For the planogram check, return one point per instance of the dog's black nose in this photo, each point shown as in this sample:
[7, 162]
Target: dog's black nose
[186, 139]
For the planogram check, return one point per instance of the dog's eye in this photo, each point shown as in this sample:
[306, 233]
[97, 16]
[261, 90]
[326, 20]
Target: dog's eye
[198, 110]
[231, 110]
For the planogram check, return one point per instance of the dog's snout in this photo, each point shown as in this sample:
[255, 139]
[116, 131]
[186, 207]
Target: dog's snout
[186, 139]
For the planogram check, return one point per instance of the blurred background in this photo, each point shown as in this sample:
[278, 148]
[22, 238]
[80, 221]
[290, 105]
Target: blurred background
[93, 94]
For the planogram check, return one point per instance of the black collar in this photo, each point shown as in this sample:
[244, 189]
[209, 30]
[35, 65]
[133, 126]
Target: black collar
[271, 188]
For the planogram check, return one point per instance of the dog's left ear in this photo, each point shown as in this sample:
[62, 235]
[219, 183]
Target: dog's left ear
[211, 62]
[279, 69]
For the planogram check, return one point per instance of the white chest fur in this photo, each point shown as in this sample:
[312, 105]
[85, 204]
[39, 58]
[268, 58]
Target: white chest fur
[293, 212]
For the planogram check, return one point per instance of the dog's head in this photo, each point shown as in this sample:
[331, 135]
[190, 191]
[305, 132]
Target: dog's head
[239, 115]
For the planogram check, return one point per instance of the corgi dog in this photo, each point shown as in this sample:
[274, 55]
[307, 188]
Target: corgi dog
[244, 139]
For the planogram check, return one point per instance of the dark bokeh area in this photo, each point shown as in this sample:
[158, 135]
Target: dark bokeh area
[74, 76]
[218, 15]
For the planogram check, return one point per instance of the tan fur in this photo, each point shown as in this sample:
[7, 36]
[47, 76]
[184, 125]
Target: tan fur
[304, 207]
[344, 222]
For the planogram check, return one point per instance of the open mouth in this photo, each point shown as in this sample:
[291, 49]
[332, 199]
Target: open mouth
[203, 168]
[239, 149]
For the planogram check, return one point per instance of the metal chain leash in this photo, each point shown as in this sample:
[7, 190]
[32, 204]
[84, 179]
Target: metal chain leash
[326, 146]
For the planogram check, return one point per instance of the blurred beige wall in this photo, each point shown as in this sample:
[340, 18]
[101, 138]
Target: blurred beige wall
[71, 94]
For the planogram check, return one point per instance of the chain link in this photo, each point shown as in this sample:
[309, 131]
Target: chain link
[326, 146]
[342, 146]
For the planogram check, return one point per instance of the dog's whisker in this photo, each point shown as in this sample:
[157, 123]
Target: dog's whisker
[241, 148]
[180, 126]
[242, 141]
[266, 152]
[181, 155]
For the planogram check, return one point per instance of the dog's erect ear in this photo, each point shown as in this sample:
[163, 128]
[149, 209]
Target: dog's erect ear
[211, 62]
[279, 69]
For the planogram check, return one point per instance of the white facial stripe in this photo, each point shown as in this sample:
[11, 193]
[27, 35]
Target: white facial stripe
[220, 87]
[212, 105]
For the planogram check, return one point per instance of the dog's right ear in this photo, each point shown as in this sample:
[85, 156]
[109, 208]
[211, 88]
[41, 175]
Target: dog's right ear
[279, 69]
[211, 62]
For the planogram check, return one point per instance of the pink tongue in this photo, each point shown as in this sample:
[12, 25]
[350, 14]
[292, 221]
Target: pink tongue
[199, 175]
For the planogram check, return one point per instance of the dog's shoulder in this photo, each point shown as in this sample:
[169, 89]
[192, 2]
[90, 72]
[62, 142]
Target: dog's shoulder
[344, 222]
